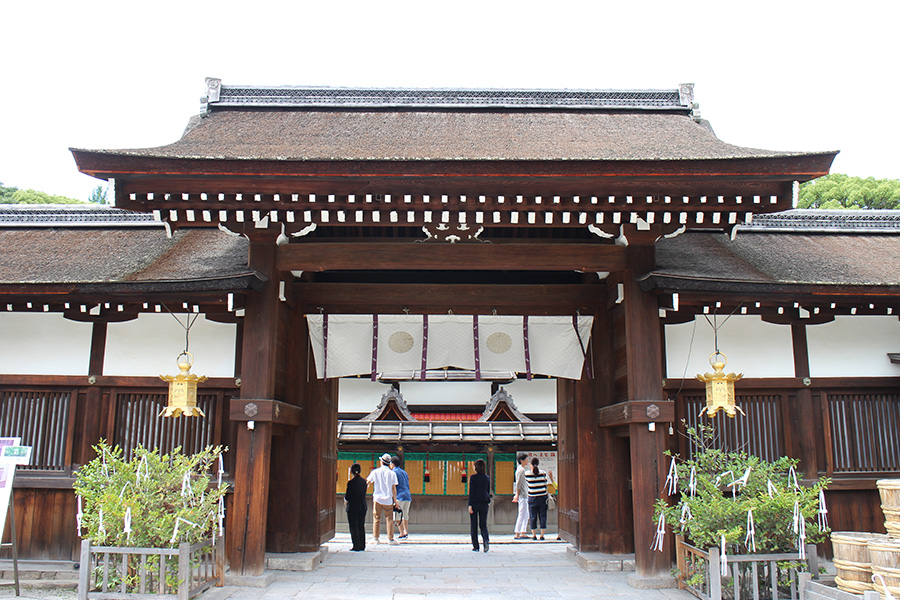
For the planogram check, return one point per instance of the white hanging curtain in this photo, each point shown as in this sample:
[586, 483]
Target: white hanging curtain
[354, 345]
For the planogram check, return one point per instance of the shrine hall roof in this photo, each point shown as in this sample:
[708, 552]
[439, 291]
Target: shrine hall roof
[341, 124]
[785, 251]
[107, 248]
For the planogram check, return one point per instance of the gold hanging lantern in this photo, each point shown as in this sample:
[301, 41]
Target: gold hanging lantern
[183, 389]
[720, 387]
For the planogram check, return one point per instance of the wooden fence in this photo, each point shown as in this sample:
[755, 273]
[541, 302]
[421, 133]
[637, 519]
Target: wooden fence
[753, 576]
[116, 573]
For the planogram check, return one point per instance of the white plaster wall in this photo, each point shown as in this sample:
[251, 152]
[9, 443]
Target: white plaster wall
[446, 392]
[43, 344]
[854, 346]
[535, 396]
[362, 395]
[359, 395]
[148, 346]
[753, 347]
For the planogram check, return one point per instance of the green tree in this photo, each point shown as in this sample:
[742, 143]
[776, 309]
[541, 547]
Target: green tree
[13, 195]
[843, 191]
[98, 196]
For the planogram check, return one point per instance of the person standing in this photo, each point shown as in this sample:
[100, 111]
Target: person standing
[537, 497]
[384, 498]
[355, 503]
[479, 500]
[520, 496]
[404, 498]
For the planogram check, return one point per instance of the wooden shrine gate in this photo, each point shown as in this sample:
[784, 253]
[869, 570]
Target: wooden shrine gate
[359, 183]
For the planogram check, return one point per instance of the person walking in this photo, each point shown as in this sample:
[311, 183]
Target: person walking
[520, 497]
[537, 497]
[404, 497]
[479, 500]
[355, 504]
[384, 498]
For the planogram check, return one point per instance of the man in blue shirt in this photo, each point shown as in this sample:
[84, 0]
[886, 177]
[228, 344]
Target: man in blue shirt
[404, 498]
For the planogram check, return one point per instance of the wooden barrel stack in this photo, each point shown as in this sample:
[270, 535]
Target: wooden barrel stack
[885, 554]
[860, 555]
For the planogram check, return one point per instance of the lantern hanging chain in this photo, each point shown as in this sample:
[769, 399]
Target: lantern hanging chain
[716, 326]
[189, 322]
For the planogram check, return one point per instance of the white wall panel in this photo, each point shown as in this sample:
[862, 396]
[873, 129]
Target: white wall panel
[854, 346]
[535, 396]
[43, 344]
[753, 347]
[358, 395]
[148, 346]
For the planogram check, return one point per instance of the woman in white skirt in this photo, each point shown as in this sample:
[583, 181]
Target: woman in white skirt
[520, 497]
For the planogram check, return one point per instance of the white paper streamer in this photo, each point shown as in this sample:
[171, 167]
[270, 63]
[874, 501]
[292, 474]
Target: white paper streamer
[795, 518]
[750, 540]
[823, 512]
[792, 478]
[720, 476]
[78, 517]
[175, 531]
[887, 593]
[221, 516]
[672, 479]
[801, 538]
[692, 484]
[124, 487]
[685, 514]
[742, 481]
[660, 533]
[723, 558]
[186, 491]
[221, 469]
[143, 464]
[127, 530]
[771, 488]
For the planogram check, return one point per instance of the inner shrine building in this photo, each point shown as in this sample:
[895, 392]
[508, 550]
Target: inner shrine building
[333, 237]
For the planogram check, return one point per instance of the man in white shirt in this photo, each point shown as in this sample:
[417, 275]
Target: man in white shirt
[384, 497]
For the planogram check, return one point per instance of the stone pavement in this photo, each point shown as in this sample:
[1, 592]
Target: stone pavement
[436, 567]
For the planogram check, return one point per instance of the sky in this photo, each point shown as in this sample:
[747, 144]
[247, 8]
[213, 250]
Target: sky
[785, 75]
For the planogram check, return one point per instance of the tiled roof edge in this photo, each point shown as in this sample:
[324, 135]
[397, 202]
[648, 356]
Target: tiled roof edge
[87, 215]
[219, 95]
[826, 221]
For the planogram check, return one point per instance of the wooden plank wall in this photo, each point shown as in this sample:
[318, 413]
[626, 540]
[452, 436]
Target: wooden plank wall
[45, 504]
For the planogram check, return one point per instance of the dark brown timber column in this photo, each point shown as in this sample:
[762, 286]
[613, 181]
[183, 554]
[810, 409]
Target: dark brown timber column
[644, 375]
[253, 451]
[803, 436]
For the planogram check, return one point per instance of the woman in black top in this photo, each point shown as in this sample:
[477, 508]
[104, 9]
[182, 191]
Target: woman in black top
[355, 503]
[479, 499]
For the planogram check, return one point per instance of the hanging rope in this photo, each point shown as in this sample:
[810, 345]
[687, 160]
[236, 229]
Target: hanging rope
[715, 326]
[189, 322]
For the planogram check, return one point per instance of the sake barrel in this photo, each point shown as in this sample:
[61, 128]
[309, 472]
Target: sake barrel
[851, 560]
[884, 555]
[889, 489]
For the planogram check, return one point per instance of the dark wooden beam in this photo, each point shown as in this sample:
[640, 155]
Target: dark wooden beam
[264, 410]
[440, 256]
[626, 413]
[461, 298]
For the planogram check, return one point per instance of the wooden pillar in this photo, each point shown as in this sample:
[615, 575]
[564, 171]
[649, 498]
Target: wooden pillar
[253, 446]
[615, 516]
[643, 357]
[801, 413]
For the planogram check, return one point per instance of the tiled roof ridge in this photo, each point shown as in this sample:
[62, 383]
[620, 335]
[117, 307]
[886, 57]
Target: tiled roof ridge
[63, 215]
[219, 95]
[827, 220]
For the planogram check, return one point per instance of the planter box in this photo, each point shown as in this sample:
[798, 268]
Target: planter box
[116, 573]
[700, 573]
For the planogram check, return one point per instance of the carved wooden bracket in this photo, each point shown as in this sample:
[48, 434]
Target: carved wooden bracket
[264, 410]
[634, 411]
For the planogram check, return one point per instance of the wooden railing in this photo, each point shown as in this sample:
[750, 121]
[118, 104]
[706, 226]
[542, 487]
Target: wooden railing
[753, 576]
[141, 573]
